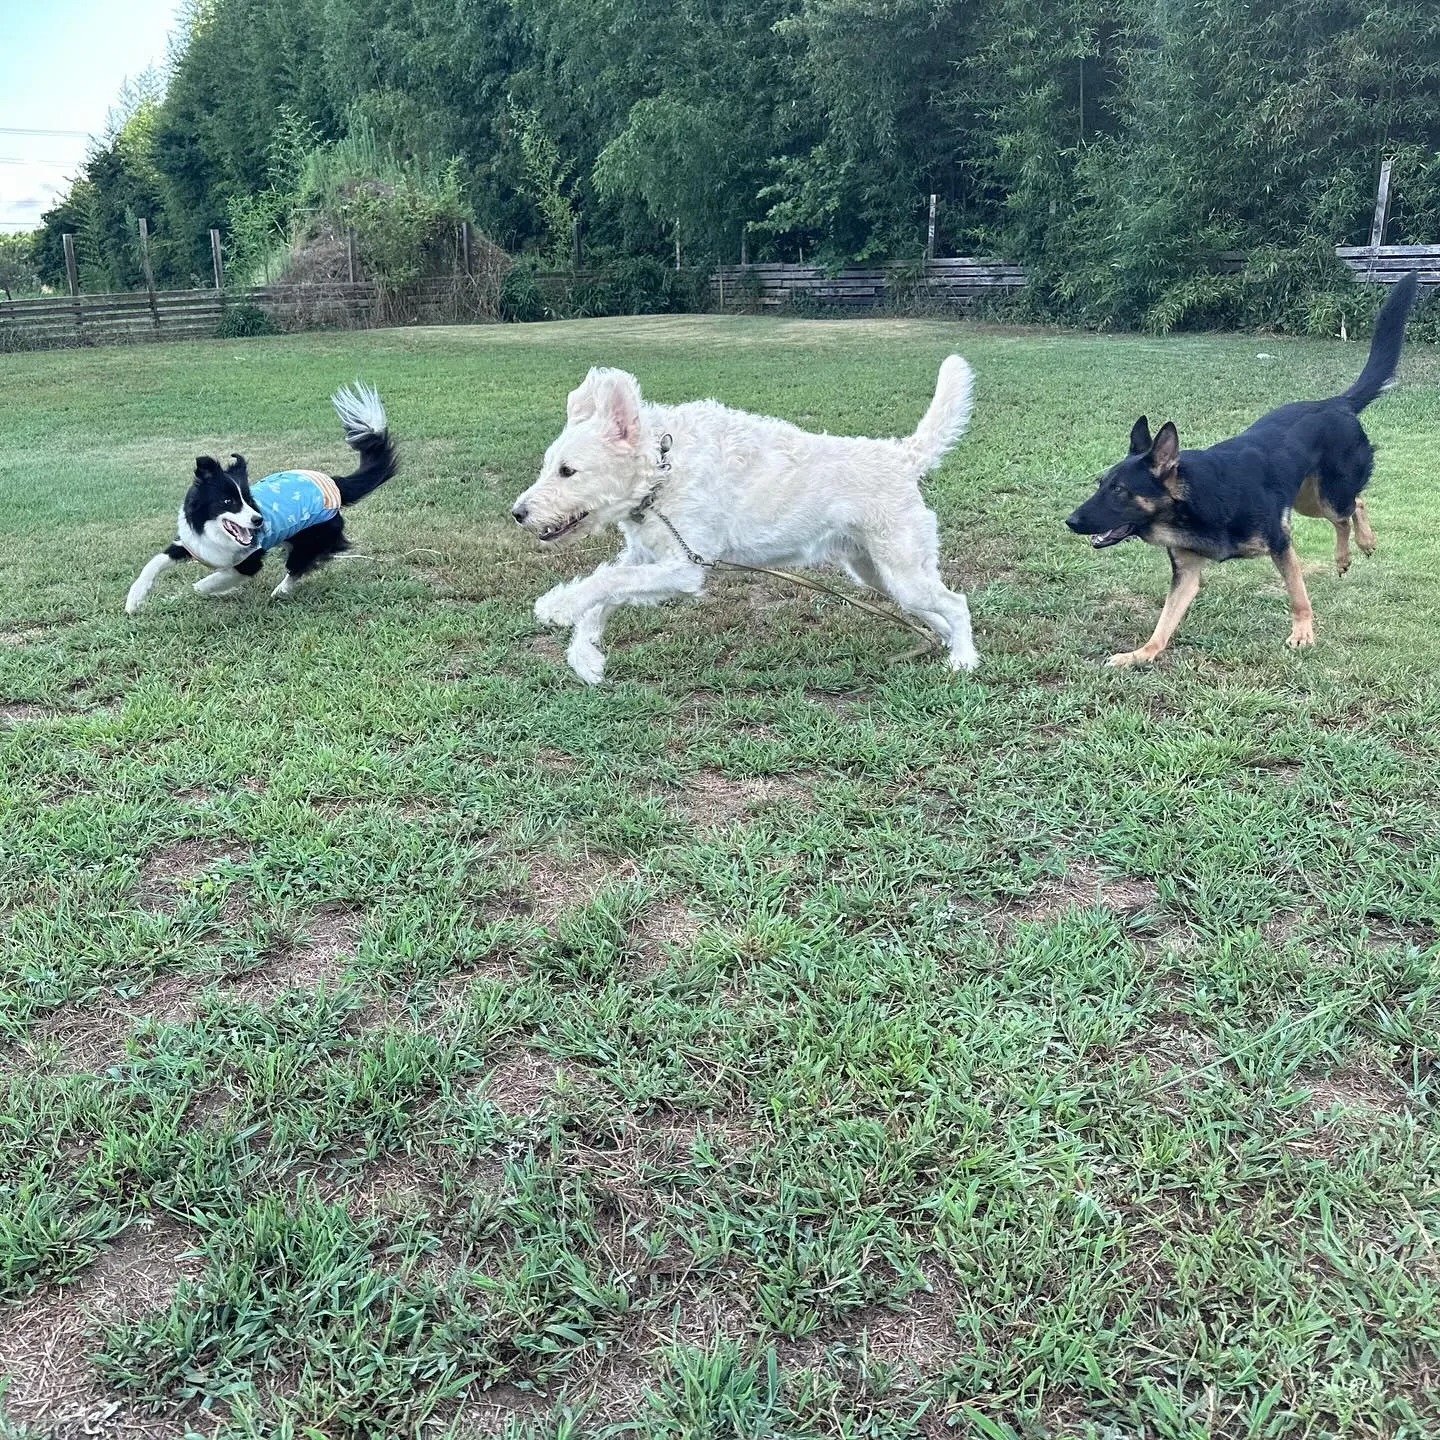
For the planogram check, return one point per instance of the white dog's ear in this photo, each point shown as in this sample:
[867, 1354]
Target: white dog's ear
[581, 402]
[617, 404]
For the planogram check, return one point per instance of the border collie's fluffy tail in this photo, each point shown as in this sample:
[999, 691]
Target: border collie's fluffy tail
[1385, 347]
[949, 413]
[368, 433]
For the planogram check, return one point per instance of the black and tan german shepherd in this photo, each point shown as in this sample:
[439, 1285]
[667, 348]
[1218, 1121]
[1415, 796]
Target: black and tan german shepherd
[1236, 498]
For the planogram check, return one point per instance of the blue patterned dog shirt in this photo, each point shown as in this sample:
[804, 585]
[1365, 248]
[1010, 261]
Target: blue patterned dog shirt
[292, 501]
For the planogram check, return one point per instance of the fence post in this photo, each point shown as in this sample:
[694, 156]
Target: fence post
[575, 244]
[217, 263]
[744, 245]
[1382, 216]
[72, 275]
[149, 273]
[677, 242]
[930, 236]
[350, 254]
[466, 247]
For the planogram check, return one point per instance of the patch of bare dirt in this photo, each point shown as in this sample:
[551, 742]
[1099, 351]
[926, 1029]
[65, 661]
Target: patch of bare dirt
[1357, 1091]
[919, 1335]
[46, 1340]
[711, 800]
[1385, 930]
[1283, 772]
[93, 1040]
[547, 647]
[1082, 887]
[168, 871]
[318, 959]
[705, 1320]
[615, 1391]
[22, 635]
[393, 1185]
[555, 883]
[490, 1411]
[1175, 1054]
[524, 1083]
[19, 713]
[663, 927]
[838, 704]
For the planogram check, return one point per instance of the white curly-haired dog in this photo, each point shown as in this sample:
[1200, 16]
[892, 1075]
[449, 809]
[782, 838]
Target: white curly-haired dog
[743, 488]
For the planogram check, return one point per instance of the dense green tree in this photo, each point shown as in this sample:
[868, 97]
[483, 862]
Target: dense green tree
[1118, 150]
[19, 274]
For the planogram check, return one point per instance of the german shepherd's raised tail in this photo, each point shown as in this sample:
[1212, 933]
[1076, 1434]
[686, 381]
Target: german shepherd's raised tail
[1236, 498]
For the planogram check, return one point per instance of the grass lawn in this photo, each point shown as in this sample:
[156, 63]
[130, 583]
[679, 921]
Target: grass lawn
[399, 1038]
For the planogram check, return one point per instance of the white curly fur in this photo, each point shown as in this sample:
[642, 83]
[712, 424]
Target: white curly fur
[743, 488]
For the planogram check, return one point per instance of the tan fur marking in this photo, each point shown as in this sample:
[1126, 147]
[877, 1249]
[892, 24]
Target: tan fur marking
[1302, 626]
[1168, 537]
[1184, 586]
[1170, 479]
[1307, 500]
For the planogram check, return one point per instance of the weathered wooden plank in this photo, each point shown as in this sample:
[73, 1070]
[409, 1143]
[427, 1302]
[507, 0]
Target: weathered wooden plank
[1386, 252]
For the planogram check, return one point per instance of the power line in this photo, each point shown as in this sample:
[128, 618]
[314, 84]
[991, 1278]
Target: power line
[60, 134]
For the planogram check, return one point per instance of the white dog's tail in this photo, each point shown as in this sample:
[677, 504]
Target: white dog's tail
[949, 413]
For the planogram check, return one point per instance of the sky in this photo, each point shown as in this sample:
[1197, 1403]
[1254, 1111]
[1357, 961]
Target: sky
[62, 65]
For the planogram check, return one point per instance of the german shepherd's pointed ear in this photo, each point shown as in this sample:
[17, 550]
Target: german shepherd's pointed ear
[1140, 441]
[1165, 456]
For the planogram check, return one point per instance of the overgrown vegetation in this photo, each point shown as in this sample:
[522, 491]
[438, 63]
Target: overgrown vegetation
[1119, 151]
[397, 1038]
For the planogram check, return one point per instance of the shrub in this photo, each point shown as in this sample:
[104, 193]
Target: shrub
[241, 321]
[521, 297]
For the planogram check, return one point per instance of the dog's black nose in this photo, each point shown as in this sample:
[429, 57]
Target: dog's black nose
[520, 512]
[1073, 520]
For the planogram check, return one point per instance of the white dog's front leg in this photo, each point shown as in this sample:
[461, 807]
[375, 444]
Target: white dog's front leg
[220, 583]
[586, 603]
[554, 607]
[146, 578]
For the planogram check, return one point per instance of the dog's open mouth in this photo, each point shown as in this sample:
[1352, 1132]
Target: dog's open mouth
[554, 532]
[237, 532]
[1111, 537]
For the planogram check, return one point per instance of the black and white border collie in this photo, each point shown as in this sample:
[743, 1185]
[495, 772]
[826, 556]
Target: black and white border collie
[228, 525]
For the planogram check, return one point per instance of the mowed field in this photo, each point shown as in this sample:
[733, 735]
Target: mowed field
[399, 1038]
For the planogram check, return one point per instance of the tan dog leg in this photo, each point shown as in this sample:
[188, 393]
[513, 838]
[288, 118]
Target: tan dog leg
[1302, 627]
[1364, 535]
[1185, 568]
[1342, 546]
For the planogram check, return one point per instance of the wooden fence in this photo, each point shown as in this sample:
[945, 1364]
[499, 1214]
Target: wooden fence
[56, 320]
[770, 286]
[104, 319]
[47, 321]
[1385, 264]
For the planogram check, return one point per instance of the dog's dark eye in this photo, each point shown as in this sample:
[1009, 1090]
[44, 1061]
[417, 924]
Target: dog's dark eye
[566, 471]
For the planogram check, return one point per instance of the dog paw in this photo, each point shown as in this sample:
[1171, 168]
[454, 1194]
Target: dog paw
[1130, 657]
[586, 661]
[966, 659]
[553, 608]
[1302, 633]
[133, 602]
[284, 588]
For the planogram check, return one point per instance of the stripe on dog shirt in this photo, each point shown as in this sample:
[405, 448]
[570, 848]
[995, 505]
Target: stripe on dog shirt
[292, 501]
